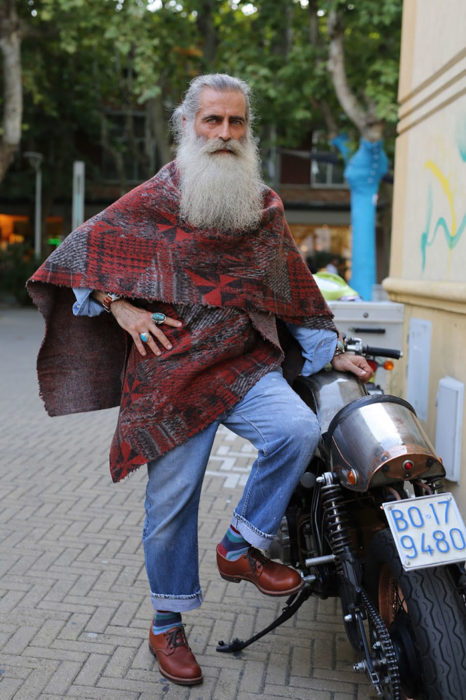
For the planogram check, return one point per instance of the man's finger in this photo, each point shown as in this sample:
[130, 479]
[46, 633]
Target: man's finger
[161, 337]
[172, 322]
[139, 344]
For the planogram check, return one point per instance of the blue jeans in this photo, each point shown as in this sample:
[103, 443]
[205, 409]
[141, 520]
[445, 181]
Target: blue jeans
[285, 432]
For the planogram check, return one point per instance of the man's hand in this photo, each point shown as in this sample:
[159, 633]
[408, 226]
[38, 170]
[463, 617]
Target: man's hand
[136, 321]
[346, 362]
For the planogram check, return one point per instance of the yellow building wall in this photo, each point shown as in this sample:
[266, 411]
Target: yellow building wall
[428, 249]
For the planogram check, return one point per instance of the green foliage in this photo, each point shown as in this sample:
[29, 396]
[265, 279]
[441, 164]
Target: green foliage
[84, 57]
[372, 35]
[17, 263]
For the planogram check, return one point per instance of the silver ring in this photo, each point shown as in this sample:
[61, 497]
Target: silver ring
[144, 337]
[158, 317]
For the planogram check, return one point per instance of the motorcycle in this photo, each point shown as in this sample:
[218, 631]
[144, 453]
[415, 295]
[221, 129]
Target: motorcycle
[370, 524]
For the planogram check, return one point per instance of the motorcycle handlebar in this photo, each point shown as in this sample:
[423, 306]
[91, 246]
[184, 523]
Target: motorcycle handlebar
[355, 345]
[382, 352]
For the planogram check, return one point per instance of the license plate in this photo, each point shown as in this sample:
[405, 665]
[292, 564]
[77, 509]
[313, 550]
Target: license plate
[428, 531]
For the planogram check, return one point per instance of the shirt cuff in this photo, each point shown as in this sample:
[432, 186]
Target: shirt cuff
[85, 304]
[317, 347]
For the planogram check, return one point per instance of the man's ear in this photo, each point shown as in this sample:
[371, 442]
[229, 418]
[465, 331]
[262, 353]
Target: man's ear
[183, 122]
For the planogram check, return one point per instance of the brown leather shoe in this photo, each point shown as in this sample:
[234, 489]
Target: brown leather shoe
[269, 577]
[176, 660]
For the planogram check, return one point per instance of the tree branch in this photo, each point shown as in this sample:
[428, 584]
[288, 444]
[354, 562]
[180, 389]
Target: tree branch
[369, 125]
[336, 67]
[330, 122]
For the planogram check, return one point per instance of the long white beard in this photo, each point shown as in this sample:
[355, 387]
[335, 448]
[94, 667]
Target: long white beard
[219, 190]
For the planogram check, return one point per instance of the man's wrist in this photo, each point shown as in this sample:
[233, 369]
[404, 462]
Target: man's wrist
[340, 348]
[109, 299]
[106, 299]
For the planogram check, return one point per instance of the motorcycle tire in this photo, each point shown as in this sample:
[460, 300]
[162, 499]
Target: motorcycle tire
[426, 619]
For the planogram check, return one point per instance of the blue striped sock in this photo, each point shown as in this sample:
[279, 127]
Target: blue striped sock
[233, 546]
[164, 620]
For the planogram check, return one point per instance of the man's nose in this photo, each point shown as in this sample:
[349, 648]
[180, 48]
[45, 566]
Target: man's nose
[225, 131]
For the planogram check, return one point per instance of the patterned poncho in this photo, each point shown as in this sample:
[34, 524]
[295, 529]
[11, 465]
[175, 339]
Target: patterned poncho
[228, 289]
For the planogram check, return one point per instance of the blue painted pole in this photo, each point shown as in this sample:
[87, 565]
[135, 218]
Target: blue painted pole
[363, 172]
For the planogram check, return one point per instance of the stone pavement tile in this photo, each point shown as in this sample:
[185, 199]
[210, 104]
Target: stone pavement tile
[13, 671]
[228, 681]
[63, 677]
[252, 678]
[330, 684]
[323, 651]
[168, 691]
[278, 667]
[126, 685]
[90, 693]
[125, 613]
[18, 642]
[40, 654]
[10, 599]
[75, 624]
[92, 669]
[93, 642]
[9, 686]
[272, 692]
[32, 687]
[48, 632]
[300, 662]
[120, 662]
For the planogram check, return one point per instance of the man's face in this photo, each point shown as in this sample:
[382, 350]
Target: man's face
[220, 183]
[222, 115]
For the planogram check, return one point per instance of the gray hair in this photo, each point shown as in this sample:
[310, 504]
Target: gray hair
[191, 103]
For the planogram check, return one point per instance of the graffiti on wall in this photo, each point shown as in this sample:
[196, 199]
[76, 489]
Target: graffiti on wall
[448, 224]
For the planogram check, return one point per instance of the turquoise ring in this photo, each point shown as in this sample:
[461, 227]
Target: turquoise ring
[144, 337]
[158, 317]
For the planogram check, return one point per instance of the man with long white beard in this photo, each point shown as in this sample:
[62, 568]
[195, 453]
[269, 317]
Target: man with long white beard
[202, 250]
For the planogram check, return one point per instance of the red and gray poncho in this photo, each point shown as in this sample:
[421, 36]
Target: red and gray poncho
[228, 288]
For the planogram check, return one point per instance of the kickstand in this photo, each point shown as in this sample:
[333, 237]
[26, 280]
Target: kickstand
[293, 604]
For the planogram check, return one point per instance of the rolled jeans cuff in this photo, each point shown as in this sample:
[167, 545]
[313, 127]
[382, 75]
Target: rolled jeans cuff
[176, 603]
[255, 537]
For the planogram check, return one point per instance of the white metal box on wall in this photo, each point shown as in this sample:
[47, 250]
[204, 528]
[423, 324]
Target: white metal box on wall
[450, 401]
[377, 323]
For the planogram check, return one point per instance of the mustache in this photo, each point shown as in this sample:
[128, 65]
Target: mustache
[214, 145]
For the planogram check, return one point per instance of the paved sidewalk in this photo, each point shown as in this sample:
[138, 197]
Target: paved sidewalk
[74, 605]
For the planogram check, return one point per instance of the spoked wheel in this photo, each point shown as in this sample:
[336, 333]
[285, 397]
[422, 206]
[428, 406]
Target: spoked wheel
[426, 619]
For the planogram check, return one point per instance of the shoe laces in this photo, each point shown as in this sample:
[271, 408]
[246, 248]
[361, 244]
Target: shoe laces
[176, 637]
[256, 559]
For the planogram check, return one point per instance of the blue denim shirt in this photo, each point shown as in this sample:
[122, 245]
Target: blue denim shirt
[317, 345]
[85, 305]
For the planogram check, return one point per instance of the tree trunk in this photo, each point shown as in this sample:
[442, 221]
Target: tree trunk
[364, 170]
[208, 30]
[115, 153]
[10, 46]
[157, 120]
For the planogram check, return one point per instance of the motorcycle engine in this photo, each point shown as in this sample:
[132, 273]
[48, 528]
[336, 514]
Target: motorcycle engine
[281, 543]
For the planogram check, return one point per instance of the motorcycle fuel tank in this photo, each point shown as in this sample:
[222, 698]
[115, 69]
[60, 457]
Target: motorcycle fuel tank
[327, 392]
[376, 440]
